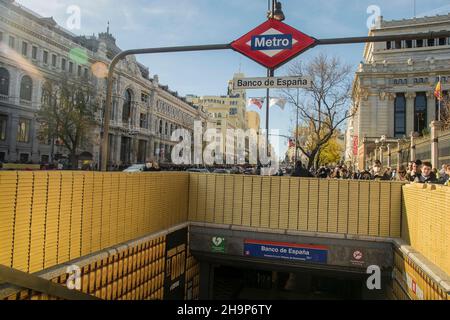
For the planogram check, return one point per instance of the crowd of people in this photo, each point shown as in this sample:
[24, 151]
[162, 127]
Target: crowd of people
[417, 171]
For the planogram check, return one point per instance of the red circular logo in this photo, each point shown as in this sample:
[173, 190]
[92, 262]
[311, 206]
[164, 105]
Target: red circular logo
[357, 255]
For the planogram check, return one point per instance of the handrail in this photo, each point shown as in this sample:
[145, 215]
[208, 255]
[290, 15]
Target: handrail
[36, 283]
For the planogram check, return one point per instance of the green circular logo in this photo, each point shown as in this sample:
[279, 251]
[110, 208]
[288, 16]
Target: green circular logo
[79, 55]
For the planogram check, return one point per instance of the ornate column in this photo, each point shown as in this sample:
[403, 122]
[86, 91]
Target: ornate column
[363, 162]
[381, 155]
[431, 107]
[389, 156]
[435, 126]
[410, 99]
[413, 147]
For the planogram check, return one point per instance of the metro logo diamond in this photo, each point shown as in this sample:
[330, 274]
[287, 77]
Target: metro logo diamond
[273, 43]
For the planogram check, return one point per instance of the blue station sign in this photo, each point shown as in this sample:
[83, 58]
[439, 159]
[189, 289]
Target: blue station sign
[286, 251]
[272, 42]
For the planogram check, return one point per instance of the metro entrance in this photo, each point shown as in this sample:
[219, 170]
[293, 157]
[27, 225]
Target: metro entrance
[234, 283]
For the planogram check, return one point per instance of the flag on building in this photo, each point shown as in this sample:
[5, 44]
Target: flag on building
[438, 91]
[256, 102]
[278, 102]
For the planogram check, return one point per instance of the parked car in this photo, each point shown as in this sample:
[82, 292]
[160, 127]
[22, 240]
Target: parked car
[197, 170]
[135, 168]
[250, 171]
[221, 171]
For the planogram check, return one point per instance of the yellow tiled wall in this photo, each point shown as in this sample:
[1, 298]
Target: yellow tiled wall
[329, 206]
[411, 282]
[426, 222]
[48, 218]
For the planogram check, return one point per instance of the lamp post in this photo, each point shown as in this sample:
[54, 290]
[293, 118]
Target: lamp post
[274, 12]
[296, 128]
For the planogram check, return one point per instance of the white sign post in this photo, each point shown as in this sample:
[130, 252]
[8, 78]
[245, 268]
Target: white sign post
[272, 82]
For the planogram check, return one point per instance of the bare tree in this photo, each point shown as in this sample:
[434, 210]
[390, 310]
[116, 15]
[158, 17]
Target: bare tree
[325, 106]
[67, 113]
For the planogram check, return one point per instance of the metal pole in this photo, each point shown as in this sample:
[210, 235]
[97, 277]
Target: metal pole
[296, 129]
[120, 56]
[270, 73]
[115, 61]
[439, 100]
[413, 36]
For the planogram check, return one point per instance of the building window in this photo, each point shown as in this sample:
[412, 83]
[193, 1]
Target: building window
[430, 42]
[125, 150]
[12, 42]
[26, 88]
[2, 157]
[63, 64]
[420, 112]
[4, 82]
[34, 52]
[398, 44]
[45, 57]
[24, 157]
[86, 72]
[409, 44]
[160, 126]
[166, 129]
[23, 130]
[142, 151]
[70, 67]
[24, 49]
[419, 43]
[3, 125]
[143, 121]
[144, 98]
[442, 41]
[54, 60]
[400, 115]
[79, 71]
[45, 159]
[126, 110]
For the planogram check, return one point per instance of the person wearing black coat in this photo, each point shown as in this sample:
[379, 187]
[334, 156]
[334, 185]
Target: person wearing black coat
[300, 171]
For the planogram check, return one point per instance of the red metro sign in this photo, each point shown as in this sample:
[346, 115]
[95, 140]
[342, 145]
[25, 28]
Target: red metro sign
[273, 43]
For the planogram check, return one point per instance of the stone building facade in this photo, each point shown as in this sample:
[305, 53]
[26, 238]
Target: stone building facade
[393, 91]
[35, 48]
[225, 112]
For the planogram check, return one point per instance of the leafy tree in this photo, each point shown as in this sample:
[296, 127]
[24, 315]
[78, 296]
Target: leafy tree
[330, 153]
[68, 113]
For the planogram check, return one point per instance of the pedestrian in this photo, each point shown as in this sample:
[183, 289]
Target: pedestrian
[413, 173]
[377, 171]
[401, 174]
[445, 177]
[427, 175]
[300, 171]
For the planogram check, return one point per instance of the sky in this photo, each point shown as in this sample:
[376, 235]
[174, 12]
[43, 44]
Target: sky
[158, 23]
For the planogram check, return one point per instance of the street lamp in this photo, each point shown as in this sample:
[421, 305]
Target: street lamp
[276, 12]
